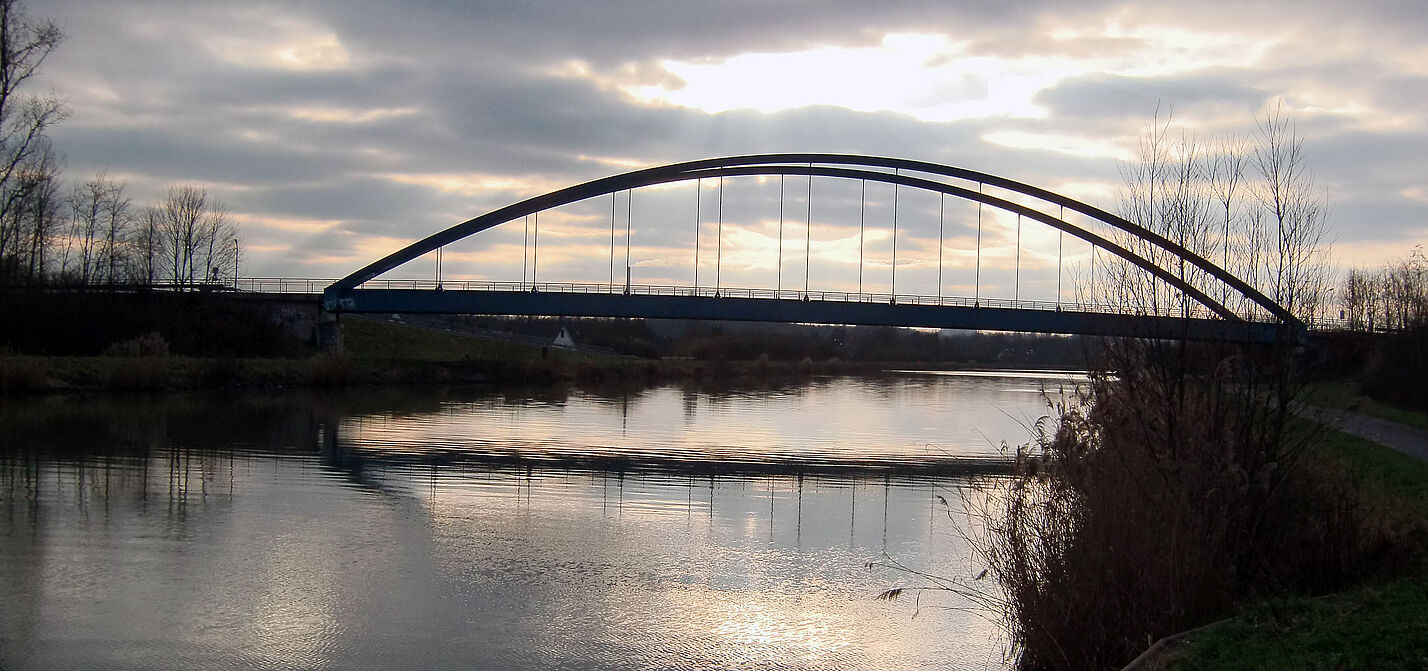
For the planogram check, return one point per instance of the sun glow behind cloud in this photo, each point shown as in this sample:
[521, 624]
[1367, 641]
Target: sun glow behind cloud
[1074, 145]
[349, 116]
[923, 75]
[473, 184]
[933, 78]
[281, 43]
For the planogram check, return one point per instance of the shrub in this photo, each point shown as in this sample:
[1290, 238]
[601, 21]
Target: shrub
[148, 344]
[1162, 500]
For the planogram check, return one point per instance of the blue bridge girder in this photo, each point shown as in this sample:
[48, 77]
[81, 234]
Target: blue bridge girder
[819, 308]
[349, 294]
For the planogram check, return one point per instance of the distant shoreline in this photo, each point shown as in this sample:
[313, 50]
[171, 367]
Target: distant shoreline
[33, 374]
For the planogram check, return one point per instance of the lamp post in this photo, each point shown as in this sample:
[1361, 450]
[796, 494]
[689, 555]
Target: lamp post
[1328, 311]
[235, 264]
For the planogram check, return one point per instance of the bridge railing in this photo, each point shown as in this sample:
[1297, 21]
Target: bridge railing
[282, 285]
[302, 285]
[777, 294]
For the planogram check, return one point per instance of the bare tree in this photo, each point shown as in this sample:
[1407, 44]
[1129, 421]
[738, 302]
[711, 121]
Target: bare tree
[219, 236]
[1296, 214]
[26, 159]
[1226, 180]
[193, 230]
[77, 263]
[1144, 185]
[147, 243]
[181, 212]
[1165, 191]
[1358, 298]
[1275, 240]
[1409, 282]
[117, 219]
[97, 242]
[31, 218]
[1391, 298]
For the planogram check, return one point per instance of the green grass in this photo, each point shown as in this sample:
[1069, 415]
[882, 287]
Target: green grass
[369, 339]
[1379, 627]
[1397, 473]
[1384, 626]
[1345, 395]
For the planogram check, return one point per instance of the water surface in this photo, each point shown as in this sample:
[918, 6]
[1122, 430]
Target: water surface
[540, 528]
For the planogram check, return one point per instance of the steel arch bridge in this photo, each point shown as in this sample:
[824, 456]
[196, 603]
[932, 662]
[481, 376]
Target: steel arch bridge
[361, 292]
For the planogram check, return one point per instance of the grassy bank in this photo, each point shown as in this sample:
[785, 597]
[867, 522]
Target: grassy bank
[1380, 626]
[1346, 395]
[1378, 467]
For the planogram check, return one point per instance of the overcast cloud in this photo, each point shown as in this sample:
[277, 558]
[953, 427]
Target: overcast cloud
[338, 131]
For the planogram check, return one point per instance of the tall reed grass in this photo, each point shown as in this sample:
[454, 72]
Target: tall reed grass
[1179, 487]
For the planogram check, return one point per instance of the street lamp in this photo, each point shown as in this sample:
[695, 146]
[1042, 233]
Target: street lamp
[1329, 306]
[235, 264]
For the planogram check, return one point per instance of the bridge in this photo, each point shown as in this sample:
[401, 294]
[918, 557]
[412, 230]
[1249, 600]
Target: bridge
[1191, 297]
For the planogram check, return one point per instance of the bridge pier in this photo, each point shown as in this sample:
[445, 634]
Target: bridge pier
[329, 332]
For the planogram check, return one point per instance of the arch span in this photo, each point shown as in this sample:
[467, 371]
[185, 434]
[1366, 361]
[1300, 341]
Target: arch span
[849, 167]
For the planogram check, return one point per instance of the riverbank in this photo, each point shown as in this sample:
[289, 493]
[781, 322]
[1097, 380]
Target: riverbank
[41, 375]
[1381, 625]
[382, 353]
[59, 375]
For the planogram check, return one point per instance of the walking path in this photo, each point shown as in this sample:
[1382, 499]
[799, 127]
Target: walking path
[1405, 439]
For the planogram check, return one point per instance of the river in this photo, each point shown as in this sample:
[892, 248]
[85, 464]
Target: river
[672, 527]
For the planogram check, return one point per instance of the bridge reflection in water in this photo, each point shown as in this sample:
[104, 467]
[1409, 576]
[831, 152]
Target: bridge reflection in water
[417, 535]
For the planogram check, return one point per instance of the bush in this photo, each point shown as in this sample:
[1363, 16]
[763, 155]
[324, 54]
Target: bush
[149, 344]
[1164, 499]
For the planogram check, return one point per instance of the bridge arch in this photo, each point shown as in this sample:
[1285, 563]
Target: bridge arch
[850, 167]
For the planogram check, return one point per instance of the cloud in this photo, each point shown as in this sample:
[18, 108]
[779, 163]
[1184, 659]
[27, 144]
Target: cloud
[1215, 93]
[391, 121]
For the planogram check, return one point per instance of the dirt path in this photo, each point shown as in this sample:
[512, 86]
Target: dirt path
[1405, 439]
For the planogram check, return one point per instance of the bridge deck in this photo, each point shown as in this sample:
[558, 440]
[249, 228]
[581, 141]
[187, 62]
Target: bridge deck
[792, 306]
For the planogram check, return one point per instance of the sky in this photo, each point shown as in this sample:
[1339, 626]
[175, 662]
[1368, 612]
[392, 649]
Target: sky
[338, 132]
